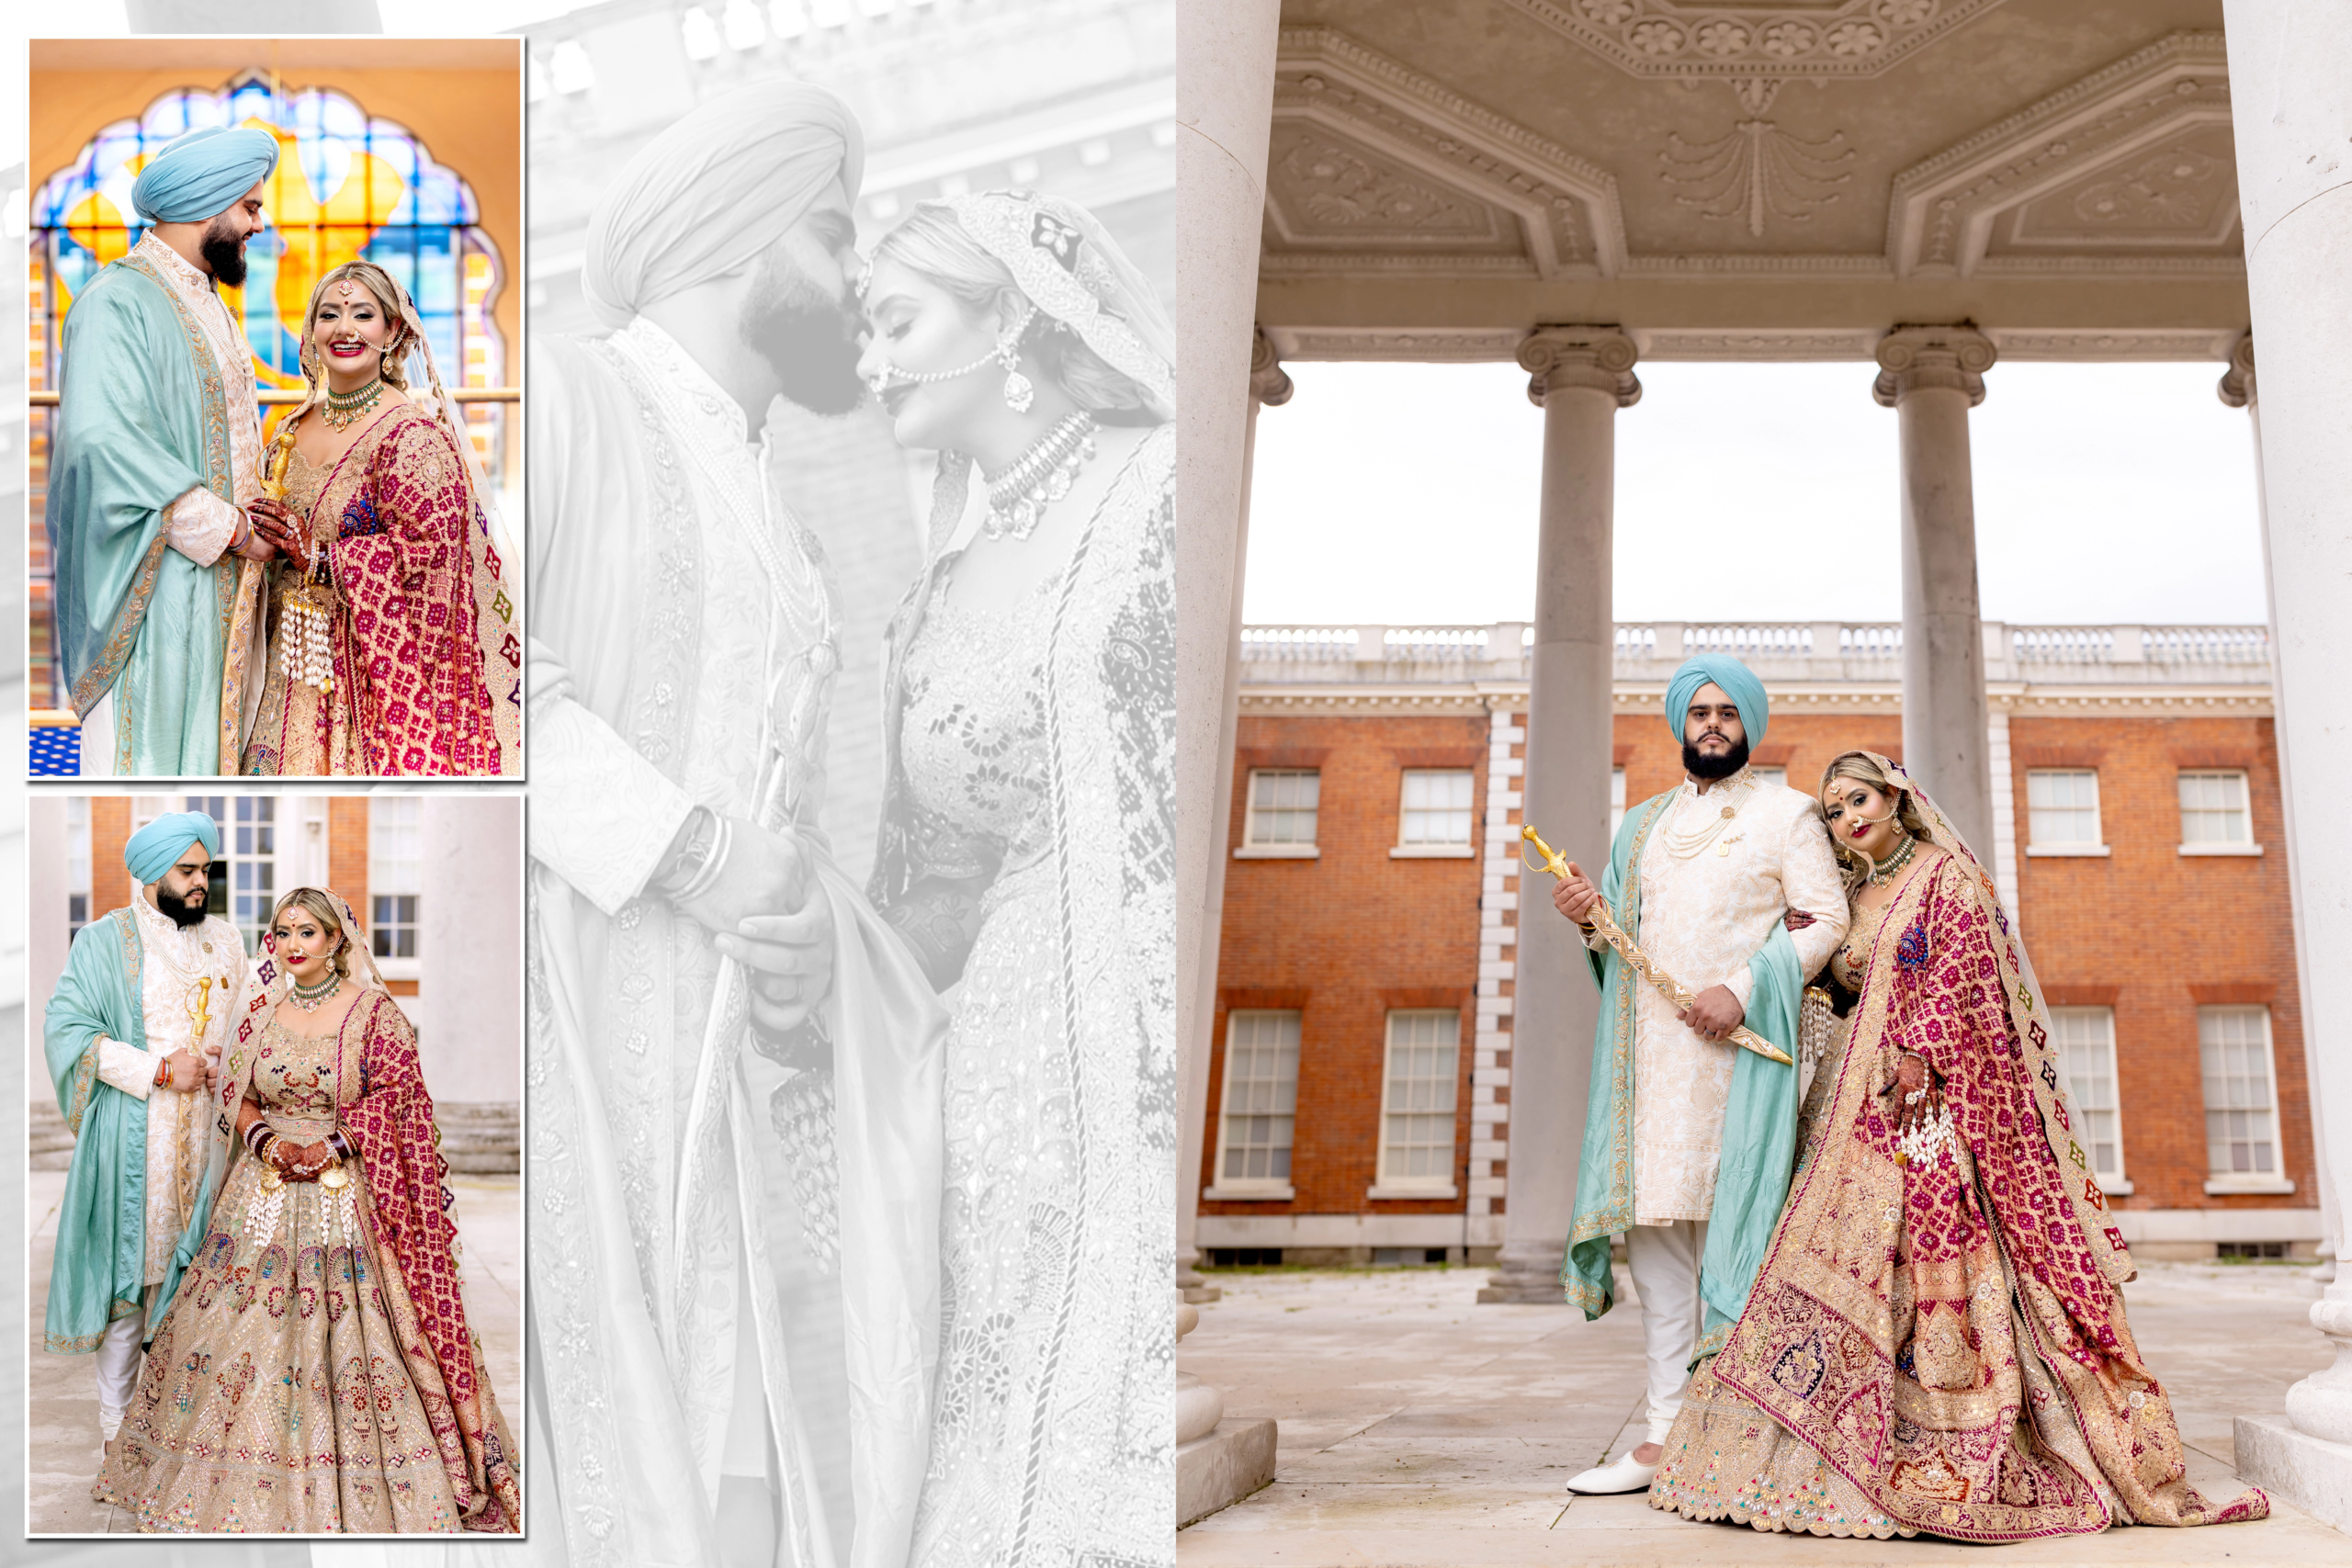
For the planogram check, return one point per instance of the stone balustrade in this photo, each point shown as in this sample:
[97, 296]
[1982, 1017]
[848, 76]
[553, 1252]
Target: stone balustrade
[1794, 652]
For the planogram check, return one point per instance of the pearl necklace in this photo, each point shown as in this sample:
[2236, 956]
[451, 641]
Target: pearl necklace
[1883, 872]
[1042, 475]
[342, 409]
[311, 999]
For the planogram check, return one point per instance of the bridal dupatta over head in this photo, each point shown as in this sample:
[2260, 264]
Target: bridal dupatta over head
[406, 1207]
[1949, 1336]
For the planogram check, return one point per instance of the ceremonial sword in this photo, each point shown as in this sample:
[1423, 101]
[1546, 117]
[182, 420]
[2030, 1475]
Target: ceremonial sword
[1614, 935]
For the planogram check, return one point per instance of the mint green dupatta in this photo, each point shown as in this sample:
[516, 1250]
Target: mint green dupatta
[142, 418]
[97, 1273]
[102, 1221]
[1759, 1117]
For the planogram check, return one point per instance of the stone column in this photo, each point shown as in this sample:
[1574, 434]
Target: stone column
[468, 1010]
[1931, 377]
[1225, 98]
[2236, 388]
[2290, 72]
[1579, 376]
[1269, 388]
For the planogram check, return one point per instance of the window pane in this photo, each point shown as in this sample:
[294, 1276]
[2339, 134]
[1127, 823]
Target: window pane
[2063, 806]
[2086, 1038]
[1260, 1095]
[2233, 1044]
[1616, 800]
[1283, 805]
[1437, 809]
[1416, 1124]
[2213, 810]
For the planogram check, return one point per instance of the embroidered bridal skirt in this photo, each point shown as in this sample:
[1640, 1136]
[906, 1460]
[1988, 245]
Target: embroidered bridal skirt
[274, 1398]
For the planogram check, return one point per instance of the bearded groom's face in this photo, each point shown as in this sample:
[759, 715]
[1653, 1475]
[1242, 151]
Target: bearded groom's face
[185, 891]
[224, 238]
[800, 311]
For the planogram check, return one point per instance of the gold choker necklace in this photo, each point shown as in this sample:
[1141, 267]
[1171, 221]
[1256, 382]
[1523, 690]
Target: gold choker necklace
[344, 408]
[1883, 871]
[1039, 476]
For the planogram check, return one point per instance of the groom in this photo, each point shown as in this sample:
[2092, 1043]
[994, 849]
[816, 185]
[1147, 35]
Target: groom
[1688, 1139]
[682, 651]
[155, 475]
[133, 1037]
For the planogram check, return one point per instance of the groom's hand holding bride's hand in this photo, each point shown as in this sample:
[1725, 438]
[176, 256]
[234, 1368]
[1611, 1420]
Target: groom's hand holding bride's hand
[791, 961]
[765, 920]
[272, 534]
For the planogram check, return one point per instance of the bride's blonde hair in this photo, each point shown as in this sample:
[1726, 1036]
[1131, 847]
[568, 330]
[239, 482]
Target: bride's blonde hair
[1862, 768]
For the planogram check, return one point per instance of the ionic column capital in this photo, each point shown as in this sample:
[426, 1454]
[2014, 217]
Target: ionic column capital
[1599, 358]
[2236, 387]
[1912, 359]
[1269, 383]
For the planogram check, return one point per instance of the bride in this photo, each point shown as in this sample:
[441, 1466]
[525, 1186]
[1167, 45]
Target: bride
[392, 631]
[1026, 855]
[1936, 1342]
[355, 1400]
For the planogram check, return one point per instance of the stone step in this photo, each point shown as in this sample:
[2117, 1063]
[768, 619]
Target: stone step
[483, 1139]
[50, 1145]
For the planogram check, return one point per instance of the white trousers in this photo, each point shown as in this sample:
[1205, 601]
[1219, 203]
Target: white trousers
[1664, 1263]
[118, 1371]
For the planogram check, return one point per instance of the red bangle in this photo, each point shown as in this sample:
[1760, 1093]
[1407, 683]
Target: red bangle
[162, 1072]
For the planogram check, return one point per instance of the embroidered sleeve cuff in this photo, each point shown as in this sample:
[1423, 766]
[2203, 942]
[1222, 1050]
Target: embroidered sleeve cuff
[127, 1067]
[602, 815]
[1743, 986]
[199, 525]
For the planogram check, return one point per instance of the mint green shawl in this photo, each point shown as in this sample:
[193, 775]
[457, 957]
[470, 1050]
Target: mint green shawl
[100, 1262]
[142, 418]
[1759, 1119]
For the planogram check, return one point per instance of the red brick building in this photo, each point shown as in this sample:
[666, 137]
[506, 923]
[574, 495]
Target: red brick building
[1360, 1085]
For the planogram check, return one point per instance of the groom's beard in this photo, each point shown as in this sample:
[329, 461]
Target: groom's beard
[809, 337]
[224, 252]
[1701, 767]
[182, 911]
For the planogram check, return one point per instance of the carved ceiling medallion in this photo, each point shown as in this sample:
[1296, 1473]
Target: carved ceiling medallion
[1825, 38]
[2134, 158]
[1373, 160]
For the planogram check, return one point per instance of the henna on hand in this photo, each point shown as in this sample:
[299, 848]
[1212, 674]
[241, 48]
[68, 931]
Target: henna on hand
[1913, 1076]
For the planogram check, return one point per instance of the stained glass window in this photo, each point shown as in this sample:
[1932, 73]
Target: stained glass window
[348, 185]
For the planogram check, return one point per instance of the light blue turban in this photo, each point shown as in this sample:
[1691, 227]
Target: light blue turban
[157, 847]
[1738, 682]
[714, 191]
[201, 175]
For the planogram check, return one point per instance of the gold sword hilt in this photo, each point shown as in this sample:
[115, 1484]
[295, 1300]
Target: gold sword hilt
[1606, 924]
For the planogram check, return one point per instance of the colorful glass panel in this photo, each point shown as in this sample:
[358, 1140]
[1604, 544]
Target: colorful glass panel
[348, 185]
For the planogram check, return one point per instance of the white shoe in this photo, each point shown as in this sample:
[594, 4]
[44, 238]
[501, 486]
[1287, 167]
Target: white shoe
[1627, 1474]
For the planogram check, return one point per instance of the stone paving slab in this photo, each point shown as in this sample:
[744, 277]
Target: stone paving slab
[1420, 1429]
[62, 1445]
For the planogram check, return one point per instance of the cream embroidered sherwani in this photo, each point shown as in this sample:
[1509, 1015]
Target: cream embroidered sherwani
[198, 525]
[1711, 889]
[173, 960]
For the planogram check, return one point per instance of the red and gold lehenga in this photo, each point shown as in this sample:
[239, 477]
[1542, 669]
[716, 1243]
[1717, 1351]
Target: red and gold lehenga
[1938, 1346]
[315, 1373]
[422, 641]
